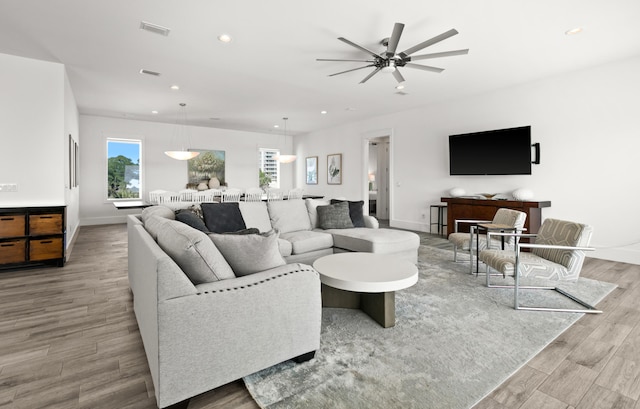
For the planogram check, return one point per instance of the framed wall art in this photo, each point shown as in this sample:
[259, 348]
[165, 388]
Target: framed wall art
[207, 167]
[334, 169]
[312, 170]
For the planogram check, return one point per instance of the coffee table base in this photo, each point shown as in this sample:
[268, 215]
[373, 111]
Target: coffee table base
[379, 306]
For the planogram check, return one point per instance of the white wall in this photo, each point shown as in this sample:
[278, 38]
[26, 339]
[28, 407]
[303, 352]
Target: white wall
[585, 122]
[72, 194]
[32, 131]
[159, 171]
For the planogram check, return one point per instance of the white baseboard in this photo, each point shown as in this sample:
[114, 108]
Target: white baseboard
[407, 225]
[621, 255]
[92, 221]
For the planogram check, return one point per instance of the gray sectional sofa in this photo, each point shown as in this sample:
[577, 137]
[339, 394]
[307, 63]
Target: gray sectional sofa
[213, 313]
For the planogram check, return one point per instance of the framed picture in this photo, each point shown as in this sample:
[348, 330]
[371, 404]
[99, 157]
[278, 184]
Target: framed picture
[312, 170]
[334, 169]
[210, 164]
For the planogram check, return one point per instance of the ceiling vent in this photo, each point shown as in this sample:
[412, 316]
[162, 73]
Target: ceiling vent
[148, 72]
[154, 28]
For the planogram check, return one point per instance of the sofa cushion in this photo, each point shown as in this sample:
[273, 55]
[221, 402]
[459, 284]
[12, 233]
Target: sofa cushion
[222, 217]
[192, 250]
[312, 210]
[306, 241]
[355, 211]
[288, 215]
[255, 214]
[334, 216]
[191, 219]
[161, 211]
[285, 247]
[375, 240]
[249, 253]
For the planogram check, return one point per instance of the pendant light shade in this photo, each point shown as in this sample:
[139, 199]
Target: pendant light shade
[181, 137]
[285, 158]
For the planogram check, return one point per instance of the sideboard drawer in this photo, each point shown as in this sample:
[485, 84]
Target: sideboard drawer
[13, 251]
[12, 225]
[45, 249]
[45, 224]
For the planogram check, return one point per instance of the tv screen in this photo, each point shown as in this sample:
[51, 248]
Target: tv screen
[498, 152]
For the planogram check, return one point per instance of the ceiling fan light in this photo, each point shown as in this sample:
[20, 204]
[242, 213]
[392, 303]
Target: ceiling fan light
[401, 85]
[390, 67]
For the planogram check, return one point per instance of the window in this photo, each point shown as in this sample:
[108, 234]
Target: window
[123, 169]
[269, 168]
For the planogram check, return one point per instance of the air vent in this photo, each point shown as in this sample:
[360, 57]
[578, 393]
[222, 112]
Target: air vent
[148, 72]
[154, 28]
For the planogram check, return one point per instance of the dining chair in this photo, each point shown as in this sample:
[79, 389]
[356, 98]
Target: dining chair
[231, 195]
[295, 194]
[253, 194]
[274, 194]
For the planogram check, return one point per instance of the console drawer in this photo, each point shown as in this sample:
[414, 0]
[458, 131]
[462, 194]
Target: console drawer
[13, 251]
[45, 224]
[12, 225]
[45, 249]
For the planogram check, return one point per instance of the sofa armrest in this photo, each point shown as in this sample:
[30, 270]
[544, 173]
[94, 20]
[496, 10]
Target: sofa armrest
[232, 328]
[371, 222]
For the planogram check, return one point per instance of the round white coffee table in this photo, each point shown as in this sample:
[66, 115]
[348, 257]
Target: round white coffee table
[366, 281]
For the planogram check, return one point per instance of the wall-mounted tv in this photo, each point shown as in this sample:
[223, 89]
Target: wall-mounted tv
[498, 152]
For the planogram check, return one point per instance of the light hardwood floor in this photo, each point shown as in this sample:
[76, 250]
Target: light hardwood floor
[69, 339]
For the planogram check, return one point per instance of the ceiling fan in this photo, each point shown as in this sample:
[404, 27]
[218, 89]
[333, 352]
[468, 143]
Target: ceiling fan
[390, 61]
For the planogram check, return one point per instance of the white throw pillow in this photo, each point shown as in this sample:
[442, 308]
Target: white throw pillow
[288, 215]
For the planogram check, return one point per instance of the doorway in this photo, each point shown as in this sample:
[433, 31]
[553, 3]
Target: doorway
[378, 177]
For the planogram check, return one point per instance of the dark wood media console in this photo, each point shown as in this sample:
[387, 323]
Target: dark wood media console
[485, 209]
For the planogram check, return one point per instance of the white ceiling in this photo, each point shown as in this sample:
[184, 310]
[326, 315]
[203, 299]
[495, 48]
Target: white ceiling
[269, 70]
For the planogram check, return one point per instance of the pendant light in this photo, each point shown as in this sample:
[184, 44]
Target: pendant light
[181, 137]
[282, 158]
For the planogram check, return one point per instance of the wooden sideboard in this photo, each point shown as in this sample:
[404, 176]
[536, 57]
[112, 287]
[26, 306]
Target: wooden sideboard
[32, 236]
[485, 209]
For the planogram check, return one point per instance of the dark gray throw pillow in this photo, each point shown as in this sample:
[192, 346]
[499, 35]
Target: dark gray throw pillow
[355, 211]
[190, 218]
[222, 217]
[334, 216]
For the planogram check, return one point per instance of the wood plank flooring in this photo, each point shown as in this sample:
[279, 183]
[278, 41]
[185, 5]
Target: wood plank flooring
[69, 339]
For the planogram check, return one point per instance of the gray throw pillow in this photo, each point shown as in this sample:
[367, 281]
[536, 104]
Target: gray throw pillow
[335, 216]
[191, 219]
[249, 253]
[162, 211]
[355, 211]
[193, 252]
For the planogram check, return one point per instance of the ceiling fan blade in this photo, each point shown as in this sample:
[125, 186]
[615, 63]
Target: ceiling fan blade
[330, 59]
[374, 72]
[398, 76]
[353, 69]
[394, 39]
[438, 55]
[359, 47]
[424, 67]
[429, 42]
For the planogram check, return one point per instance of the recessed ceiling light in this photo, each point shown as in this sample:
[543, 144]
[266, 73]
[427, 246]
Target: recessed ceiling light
[175, 87]
[323, 112]
[276, 126]
[225, 38]
[573, 31]
[400, 86]
[154, 112]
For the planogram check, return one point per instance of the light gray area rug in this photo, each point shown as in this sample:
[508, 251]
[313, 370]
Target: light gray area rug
[454, 342]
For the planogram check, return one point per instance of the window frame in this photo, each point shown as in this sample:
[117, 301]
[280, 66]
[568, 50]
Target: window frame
[261, 152]
[131, 140]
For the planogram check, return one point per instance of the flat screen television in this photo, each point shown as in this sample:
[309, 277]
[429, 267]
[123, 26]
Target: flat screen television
[498, 152]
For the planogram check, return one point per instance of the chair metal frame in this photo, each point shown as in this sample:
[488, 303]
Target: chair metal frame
[588, 308]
